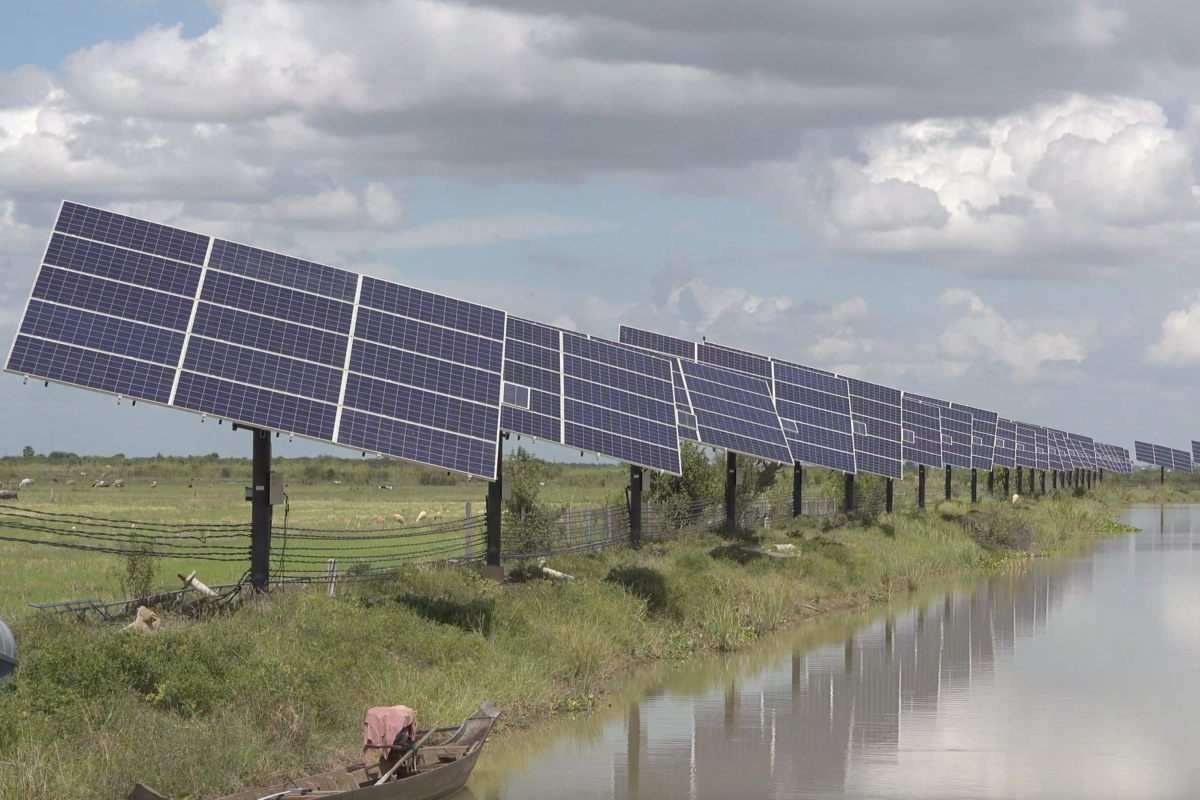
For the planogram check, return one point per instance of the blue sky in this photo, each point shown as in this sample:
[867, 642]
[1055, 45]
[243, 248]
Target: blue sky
[983, 221]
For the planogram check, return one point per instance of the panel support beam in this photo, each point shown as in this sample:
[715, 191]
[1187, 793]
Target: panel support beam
[495, 503]
[731, 485]
[260, 512]
[797, 490]
[635, 506]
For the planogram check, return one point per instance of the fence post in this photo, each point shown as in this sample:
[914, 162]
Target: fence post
[608, 532]
[567, 521]
[468, 531]
[331, 576]
[590, 519]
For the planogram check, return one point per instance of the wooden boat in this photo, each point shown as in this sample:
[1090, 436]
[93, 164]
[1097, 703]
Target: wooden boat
[435, 771]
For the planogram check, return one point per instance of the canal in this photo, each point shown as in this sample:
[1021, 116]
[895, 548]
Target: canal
[1076, 678]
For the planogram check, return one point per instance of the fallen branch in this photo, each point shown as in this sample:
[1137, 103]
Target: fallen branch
[191, 582]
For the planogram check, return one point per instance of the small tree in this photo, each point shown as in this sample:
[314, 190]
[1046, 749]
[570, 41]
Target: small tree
[27, 451]
[681, 497]
[530, 526]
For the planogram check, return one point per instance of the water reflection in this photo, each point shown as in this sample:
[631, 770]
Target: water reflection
[1073, 679]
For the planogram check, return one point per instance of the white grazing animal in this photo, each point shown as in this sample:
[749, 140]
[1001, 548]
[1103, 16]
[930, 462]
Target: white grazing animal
[1016, 499]
[437, 514]
[70, 483]
[422, 516]
[153, 484]
[119, 483]
[398, 518]
[379, 520]
[100, 485]
[26, 482]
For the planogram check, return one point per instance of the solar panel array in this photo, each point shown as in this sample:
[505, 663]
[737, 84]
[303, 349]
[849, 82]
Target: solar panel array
[185, 320]
[1005, 451]
[922, 432]
[983, 435]
[177, 318]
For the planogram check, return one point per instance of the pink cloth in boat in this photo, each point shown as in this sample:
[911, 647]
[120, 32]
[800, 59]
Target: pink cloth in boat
[384, 724]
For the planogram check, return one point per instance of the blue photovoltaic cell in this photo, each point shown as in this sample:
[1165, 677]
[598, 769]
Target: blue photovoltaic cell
[818, 403]
[1183, 461]
[956, 436]
[1004, 453]
[264, 333]
[105, 261]
[619, 402]
[877, 443]
[423, 372]
[135, 234]
[430, 340]
[267, 370]
[737, 360]
[108, 373]
[1144, 452]
[1054, 454]
[1026, 445]
[115, 299]
[255, 406]
[287, 271]
[734, 411]
[983, 432]
[922, 432]
[1041, 454]
[98, 332]
[437, 309]
[1195, 450]
[657, 342]
[432, 410]
[277, 301]
[1085, 448]
[522, 421]
[418, 443]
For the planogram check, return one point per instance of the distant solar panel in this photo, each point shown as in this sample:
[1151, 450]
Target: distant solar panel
[1160, 456]
[983, 435]
[1004, 454]
[817, 405]
[735, 411]
[1085, 449]
[619, 402]
[155, 313]
[1182, 460]
[1058, 458]
[738, 360]
[876, 415]
[532, 400]
[921, 433]
[1195, 450]
[1042, 444]
[1026, 454]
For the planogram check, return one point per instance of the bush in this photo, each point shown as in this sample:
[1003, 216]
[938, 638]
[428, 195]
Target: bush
[136, 577]
[646, 584]
[998, 527]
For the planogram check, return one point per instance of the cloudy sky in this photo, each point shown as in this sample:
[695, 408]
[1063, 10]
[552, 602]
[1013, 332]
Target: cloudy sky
[991, 203]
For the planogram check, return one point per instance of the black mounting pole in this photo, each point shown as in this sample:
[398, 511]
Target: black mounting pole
[1032, 486]
[849, 501]
[1054, 479]
[1007, 471]
[1043, 481]
[260, 512]
[1162, 475]
[947, 481]
[992, 481]
[797, 490]
[974, 485]
[890, 489]
[1020, 481]
[635, 506]
[921, 486]
[1089, 477]
[1102, 474]
[731, 491]
[495, 503]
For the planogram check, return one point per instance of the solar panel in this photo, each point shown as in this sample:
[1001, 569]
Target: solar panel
[619, 402]
[1085, 449]
[957, 436]
[1195, 450]
[177, 318]
[983, 435]
[921, 431]
[1182, 460]
[659, 343]
[1042, 445]
[876, 415]
[1026, 453]
[1058, 457]
[735, 411]
[1144, 451]
[1004, 454]
[817, 404]
[729, 358]
[532, 398]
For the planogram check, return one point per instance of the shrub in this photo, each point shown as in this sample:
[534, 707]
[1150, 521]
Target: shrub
[998, 527]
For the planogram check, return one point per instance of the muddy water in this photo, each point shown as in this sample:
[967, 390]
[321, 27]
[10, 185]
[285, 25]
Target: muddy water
[1079, 678]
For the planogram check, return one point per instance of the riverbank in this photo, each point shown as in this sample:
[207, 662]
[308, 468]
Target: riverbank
[280, 687]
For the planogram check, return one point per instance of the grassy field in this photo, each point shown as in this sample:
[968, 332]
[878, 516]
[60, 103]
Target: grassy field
[279, 687]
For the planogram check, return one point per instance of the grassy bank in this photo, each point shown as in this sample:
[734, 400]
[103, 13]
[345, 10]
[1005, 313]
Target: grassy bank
[280, 687]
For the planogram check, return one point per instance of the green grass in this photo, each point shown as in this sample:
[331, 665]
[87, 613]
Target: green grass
[279, 688]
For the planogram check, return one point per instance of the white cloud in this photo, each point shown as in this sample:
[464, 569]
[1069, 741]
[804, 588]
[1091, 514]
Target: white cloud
[1179, 344]
[1084, 184]
[982, 334]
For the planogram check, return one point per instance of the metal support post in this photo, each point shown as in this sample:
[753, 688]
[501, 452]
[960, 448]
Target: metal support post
[1162, 475]
[635, 506]
[1020, 481]
[848, 502]
[947, 481]
[260, 512]
[1102, 474]
[1007, 472]
[1043, 479]
[921, 486]
[797, 490]
[992, 481]
[495, 503]
[1054, 479]
[731, 491]
[974, 485]
[890, 489]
